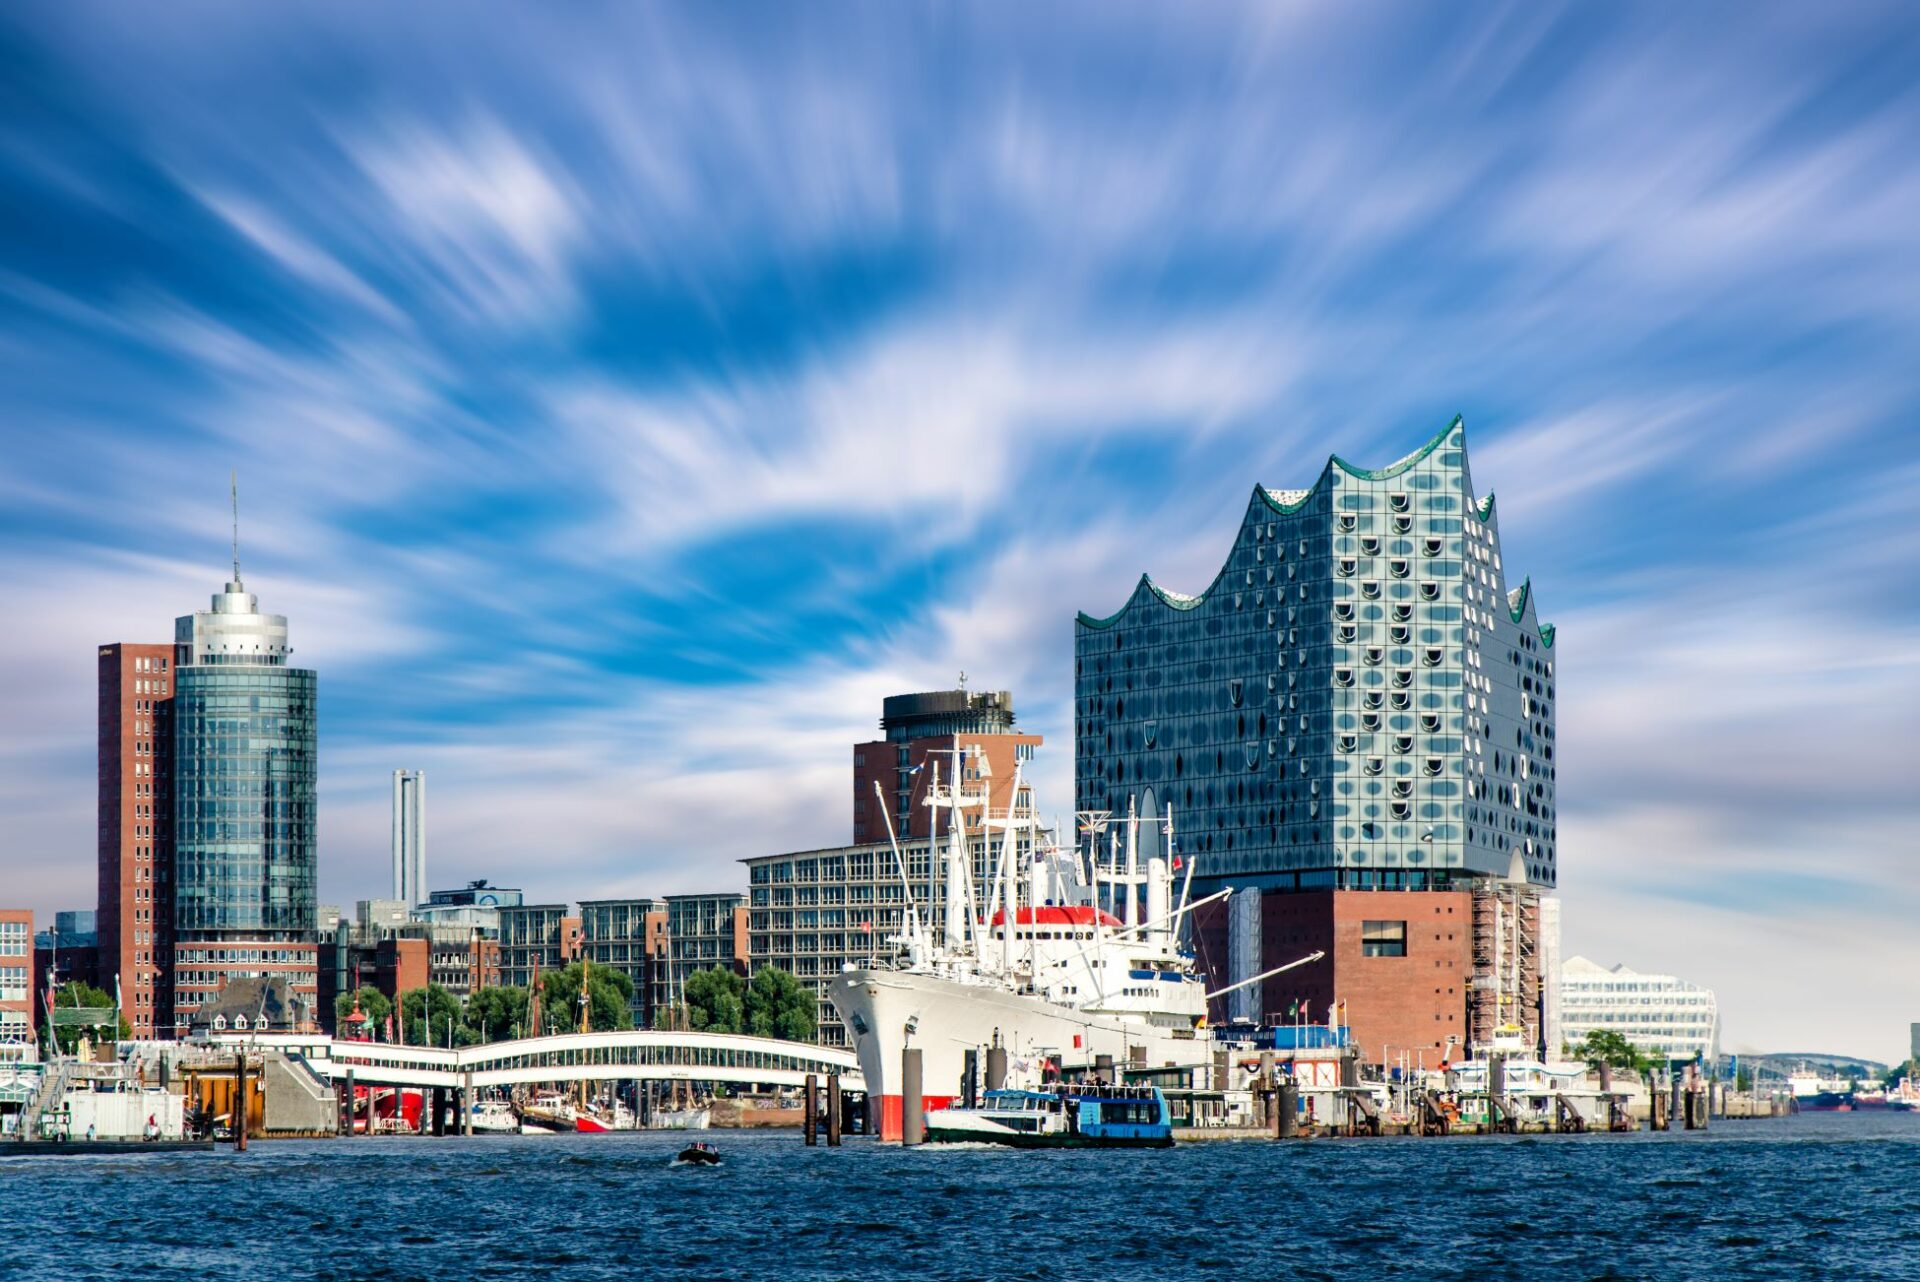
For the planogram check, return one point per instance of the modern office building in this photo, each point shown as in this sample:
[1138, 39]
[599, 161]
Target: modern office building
[16, 975]
[1359, 703]
[1663, 1016]
[630, 936]
[410, 836]
[704, 932]
[133, 919]
[920, 735]
[475, 904]
[535, 939]
[244, 763]
[73, 927]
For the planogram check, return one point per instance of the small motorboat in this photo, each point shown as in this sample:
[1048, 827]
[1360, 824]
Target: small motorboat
[698, 1154]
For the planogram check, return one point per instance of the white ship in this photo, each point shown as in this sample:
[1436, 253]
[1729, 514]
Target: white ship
[1067, 983]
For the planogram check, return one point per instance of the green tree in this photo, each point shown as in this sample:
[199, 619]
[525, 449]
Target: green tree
[496, 1014]
[74, 995]
[778, 1005]
[714, 1001]
[433, 1017]
[1603, 1046]
[373, 1004]
[609, 994]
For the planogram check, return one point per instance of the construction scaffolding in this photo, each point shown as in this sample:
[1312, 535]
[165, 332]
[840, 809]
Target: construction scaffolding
[1504, 1003]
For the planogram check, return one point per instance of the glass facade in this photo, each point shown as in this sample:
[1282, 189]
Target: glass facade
[244, 818]
[1358, 701]
[1660, 1014]
[701, 935]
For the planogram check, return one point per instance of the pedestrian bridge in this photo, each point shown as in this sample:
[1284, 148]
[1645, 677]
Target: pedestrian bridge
[626, 1056]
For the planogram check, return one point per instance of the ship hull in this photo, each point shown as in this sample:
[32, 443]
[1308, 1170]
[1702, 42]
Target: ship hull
[950, 1018]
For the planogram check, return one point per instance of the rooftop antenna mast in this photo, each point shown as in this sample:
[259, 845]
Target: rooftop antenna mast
[233, 482]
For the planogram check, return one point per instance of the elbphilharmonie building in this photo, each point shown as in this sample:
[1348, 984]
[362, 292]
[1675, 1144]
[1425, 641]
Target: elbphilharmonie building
[1362, 699]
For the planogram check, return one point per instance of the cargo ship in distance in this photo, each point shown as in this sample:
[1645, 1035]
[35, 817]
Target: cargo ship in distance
[1037, 966]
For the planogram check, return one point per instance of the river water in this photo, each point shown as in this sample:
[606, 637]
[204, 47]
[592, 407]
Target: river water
[1829, 1196]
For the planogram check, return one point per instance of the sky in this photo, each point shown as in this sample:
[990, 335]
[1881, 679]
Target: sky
[626, 398]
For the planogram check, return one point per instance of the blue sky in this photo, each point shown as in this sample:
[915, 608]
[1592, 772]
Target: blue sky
[623, 405]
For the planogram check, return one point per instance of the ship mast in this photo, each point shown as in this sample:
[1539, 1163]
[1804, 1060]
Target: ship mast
[916, 945]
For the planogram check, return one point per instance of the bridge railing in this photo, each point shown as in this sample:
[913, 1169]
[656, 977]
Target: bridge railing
[632, 1053]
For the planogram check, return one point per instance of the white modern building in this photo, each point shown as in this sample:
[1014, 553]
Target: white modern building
[1663, 1016]
[410, 836]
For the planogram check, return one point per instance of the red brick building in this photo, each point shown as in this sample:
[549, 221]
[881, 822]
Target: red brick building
[17, 996]
[1401, 962]
[1430, 974]
[921, 733]
[135, 839]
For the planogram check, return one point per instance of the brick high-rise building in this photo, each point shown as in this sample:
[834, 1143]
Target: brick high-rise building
[134, 918]
[921, 733]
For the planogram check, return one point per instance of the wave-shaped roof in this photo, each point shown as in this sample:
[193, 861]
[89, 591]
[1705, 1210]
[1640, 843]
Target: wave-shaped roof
[1290, 502]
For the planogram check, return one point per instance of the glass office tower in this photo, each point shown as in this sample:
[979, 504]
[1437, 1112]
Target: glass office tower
[245, 849]
[1359, 701]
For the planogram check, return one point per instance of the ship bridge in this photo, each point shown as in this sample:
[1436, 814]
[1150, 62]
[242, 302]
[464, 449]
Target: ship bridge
[630, 1055]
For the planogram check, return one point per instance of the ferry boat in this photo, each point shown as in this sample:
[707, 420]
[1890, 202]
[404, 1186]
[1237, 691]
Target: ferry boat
[1050, 976]
[1078, 1116]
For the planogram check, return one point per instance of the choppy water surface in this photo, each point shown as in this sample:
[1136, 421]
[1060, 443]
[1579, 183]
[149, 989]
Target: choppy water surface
[1815, 1196]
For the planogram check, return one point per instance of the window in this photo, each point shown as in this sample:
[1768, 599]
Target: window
[1383, 939]
[1343, 677]
[1398, 502]
[1370, 546]
[1346, 567]
[1431, 547]
[1430, 591]
[1398, 569]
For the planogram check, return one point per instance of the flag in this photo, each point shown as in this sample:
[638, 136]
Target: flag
[867, 925]
[1076, 1041]
[1176, 863]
